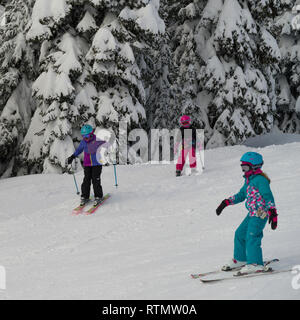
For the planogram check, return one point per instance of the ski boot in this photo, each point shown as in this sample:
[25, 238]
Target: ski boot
[83, 201]
[252, 268]
[178, 173]
[233, 264]
[97, 201]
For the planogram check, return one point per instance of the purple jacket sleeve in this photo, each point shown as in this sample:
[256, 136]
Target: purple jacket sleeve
[79, 149]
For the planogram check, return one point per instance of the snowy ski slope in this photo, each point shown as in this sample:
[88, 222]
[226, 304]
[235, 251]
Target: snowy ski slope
[146, 240]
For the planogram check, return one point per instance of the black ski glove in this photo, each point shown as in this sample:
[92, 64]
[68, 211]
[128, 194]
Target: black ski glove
[70, 159]
[222, 206]
[273, 218]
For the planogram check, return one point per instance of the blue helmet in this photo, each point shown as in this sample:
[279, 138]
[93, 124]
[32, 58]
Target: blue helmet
[86, 129]
[254, 158]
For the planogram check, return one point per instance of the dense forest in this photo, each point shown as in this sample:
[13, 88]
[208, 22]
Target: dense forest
[232, 65]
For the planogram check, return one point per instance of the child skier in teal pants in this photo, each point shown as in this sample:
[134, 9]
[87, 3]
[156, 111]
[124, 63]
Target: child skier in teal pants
[261, 206]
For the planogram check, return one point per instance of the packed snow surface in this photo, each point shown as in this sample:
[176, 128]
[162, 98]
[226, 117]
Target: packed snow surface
[149, 236]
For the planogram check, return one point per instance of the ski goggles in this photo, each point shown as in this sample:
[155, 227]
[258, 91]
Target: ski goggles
[246, 167]
[185, 123]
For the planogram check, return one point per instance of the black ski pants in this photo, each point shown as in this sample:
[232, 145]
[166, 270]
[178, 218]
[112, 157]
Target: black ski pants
[92, 175]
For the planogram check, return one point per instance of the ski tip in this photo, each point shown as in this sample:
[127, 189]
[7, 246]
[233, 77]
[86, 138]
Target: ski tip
[198, 275]
[209, 280]
[76, 212]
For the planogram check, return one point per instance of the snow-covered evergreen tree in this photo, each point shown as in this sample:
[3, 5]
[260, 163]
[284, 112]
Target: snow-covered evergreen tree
[155, 68]
[63, 90]
[232, 65]
[17, 71]
[160, 98]
[184, 93]
[189, 63]
[288, 84]
[226, 60]
[88, 72]
[128, 31]
[241, 61]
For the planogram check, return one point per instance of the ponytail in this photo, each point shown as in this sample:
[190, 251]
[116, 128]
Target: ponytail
[266, 176]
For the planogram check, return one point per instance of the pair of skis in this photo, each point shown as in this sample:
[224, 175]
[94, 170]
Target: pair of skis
[80, 209]
[219, 275]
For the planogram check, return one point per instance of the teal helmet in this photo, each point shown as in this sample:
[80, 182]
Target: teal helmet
[86, 129]
[253, 158]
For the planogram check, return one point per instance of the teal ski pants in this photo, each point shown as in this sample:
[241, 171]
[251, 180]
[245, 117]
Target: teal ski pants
[247, 240]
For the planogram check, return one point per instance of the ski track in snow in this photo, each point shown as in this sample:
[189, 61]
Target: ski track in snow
[149, 236]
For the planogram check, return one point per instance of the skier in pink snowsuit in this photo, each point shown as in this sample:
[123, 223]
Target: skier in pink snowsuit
[185, 142]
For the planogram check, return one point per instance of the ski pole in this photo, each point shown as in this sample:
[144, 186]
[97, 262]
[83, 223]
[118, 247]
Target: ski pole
[77, 189]
[202, 165]
[115, 172]
[199, 152]
[76, 184]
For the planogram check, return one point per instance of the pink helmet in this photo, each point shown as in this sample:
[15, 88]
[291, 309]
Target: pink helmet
[185, 121]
